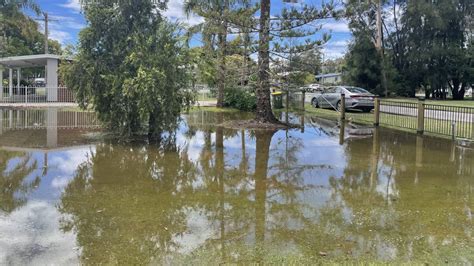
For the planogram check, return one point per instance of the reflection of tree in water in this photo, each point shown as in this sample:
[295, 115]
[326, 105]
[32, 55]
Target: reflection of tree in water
[14, 187]
[137, 203]
[127, 203]
[387, 206]
[260, 207]
[132, 204]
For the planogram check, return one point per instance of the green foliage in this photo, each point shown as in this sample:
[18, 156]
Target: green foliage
[240, 99]
[131, 66]
[426, 46]
[308, 61]
[363, 66]
[299, 78]
[19, 34]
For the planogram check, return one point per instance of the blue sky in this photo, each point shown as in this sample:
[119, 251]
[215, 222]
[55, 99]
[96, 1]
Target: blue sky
[69, 21]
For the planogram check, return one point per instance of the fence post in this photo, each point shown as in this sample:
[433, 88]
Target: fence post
[453, 130]
[377, 112]
[343, 107]
[302, 101]
[26, 94]
[421, 116]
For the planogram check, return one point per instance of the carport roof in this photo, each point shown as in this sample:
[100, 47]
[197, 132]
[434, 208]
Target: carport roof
[25, 61]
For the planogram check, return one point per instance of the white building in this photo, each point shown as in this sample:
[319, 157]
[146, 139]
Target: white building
[10, 66]
[331, 78]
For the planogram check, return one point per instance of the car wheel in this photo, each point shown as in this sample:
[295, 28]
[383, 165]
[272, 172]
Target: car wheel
[339, 106]
[315, 103]
[367, 110]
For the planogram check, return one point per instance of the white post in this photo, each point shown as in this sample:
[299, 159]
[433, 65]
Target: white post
[26, 118]
[1, 83]
[52, 127]
[1, 121]
[10, 82]
[10, 118]
[18, 77]
[52, 80]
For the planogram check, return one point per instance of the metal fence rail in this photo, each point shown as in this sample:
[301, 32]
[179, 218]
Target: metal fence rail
[295, 100]
[25, 94]
[454, 121]
[399, 114]
[449, 120]
[14, 119]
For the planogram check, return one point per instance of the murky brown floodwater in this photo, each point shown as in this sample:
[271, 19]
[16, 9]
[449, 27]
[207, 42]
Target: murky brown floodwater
[209, 195]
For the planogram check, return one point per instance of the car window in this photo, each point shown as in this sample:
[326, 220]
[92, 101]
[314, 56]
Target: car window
[331, 90]
[356, 90]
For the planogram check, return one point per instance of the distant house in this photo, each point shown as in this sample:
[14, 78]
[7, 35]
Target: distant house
[331, 78]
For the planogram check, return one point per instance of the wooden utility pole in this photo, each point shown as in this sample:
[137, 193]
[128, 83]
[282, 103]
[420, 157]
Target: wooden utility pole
[379, 46]
[378, 42]
[46, 31]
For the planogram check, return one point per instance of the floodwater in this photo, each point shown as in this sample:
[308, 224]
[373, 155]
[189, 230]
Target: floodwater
[210, 195]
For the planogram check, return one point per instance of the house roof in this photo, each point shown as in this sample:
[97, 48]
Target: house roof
[24, 61]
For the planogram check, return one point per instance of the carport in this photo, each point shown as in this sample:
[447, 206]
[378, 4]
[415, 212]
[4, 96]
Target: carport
[16, 63]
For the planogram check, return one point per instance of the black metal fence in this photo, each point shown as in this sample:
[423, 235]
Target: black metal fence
[399, 114]
[453, 121]
[449, 120]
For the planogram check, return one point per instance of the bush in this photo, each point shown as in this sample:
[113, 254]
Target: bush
[241, 99]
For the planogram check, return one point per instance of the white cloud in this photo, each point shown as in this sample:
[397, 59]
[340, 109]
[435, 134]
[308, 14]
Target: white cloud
[74, 5]
[176, 12]
[62, 37]
[31, 236]
[60, 28]
[67, 22]
[335, 49]
[341, 26]
[68, 162]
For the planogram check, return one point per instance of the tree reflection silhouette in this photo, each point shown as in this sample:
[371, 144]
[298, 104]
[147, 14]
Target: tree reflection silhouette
[14, 183]
[164, 203]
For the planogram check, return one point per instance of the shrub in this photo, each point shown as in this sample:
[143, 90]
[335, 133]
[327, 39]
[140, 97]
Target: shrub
[239, 98]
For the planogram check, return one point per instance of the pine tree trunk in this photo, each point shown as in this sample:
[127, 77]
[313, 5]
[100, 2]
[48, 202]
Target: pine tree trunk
[222, 68]
[264, 112]
[262, 155]
[222, 38]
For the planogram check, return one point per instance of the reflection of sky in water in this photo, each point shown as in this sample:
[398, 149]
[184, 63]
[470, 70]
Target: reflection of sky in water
[31, 234]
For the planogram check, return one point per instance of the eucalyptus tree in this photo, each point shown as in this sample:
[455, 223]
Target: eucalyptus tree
[426, 45]
[131, 66]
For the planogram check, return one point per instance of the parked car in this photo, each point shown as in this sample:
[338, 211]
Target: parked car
[315, 87]
[355, 98]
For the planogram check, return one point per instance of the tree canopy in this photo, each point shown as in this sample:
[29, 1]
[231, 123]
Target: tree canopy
[19, 34]
[427, 44]
[131, 66]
